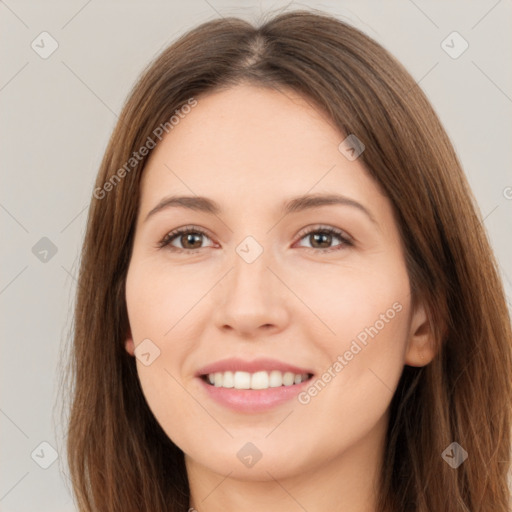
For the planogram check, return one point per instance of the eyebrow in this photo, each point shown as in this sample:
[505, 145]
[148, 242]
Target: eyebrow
[295, 204]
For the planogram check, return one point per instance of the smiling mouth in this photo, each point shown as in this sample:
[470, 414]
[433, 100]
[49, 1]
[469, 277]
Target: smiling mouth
[257, 380]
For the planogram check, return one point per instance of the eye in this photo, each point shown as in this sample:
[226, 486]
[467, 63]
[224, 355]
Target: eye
[321, 237]
[190, 239]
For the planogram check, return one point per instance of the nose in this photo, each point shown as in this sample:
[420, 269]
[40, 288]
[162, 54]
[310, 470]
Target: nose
[251, 299]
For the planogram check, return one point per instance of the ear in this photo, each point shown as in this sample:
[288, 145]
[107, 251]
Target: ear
[420, 348]
[129, 345]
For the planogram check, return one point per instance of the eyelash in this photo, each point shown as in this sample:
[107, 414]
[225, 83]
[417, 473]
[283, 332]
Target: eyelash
[345, 239]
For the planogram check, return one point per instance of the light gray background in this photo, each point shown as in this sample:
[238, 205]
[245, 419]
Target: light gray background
[59, 112]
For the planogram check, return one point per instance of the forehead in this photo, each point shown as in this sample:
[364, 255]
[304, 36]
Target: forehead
[259, 142]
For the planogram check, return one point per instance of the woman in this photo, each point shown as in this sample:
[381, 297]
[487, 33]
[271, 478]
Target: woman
[286, 299]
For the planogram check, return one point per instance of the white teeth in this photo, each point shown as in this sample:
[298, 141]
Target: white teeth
[242, 380]
[276, 379]
[288, 379]
[229, 380]
[257, 380]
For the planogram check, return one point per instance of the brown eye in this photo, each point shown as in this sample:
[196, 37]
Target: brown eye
[321, 239]
[189, 239]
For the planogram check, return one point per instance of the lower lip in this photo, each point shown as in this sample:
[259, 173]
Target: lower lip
[253, 400]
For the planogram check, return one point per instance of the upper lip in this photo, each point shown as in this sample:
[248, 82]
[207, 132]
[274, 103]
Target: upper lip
[239, 365]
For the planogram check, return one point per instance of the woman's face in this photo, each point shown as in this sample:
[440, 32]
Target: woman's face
[259, 295]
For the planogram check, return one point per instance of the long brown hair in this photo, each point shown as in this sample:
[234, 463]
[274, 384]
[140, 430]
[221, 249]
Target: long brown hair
[119, 457]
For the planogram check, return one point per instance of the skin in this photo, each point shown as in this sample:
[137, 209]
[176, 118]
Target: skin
[250, 149]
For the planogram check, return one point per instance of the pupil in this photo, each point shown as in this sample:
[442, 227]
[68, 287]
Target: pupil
[190, 238]
[326, 237]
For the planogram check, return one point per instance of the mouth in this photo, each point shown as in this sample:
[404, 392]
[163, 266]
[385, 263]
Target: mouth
[253, 386]
[259, 380]
[253, 390]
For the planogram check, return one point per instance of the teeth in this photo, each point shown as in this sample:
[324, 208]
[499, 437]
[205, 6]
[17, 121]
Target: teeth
[242, 380]
[276, 379]
[228, 381]
[288, 379]
[258, 380]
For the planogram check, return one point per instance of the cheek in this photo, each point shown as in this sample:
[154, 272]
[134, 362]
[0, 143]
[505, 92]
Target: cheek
[156, 301]
[368, 314]
[356, 303]
[158, 298]
[364, 359]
